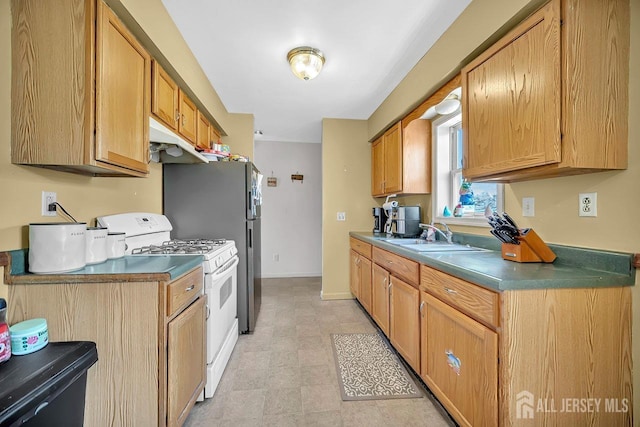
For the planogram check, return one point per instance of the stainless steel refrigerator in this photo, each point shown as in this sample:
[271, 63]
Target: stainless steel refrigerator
[220, 200]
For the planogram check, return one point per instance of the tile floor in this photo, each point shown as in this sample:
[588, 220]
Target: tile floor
[284, 373]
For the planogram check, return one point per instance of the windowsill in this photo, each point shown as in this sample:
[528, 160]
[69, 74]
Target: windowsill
[470, 222]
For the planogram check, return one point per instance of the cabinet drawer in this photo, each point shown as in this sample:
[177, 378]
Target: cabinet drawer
[360, 247]
[405, 268]
[479, 303]
[184, 290]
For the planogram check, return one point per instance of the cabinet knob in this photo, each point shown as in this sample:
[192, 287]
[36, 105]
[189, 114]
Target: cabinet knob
[421, 307]
[177, 117]
[190, 288]
[450, 291]
[183, 120]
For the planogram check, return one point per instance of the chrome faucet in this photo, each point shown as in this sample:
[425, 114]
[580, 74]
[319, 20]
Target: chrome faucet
[447, 234]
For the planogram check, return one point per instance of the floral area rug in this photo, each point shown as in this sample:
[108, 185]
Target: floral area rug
[368, 369]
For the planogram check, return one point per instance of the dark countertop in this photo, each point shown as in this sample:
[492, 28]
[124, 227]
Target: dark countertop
[573, 267]
[126, 269]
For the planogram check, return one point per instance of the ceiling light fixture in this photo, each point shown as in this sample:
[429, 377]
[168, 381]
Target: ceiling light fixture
[306, 62]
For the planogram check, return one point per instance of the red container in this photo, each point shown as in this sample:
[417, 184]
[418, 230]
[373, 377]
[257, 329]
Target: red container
[5, 336]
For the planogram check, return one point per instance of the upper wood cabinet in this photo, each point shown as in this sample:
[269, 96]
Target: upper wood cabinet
[80, 89]
[401, 157]
[536, 105]
[204, 132]
[164, 99]
[386, 162]
[400, 160]
[214, 135]
[188, 123]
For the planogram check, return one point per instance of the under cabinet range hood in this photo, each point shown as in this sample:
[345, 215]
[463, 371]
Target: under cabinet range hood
[167, 147]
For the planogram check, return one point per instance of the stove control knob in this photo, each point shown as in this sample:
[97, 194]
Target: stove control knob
[230, 252]
[217, 262]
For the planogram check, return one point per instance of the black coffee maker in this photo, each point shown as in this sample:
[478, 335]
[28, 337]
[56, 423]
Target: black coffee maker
[379, 219]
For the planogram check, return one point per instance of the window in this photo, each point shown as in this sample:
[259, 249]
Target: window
[454, 200]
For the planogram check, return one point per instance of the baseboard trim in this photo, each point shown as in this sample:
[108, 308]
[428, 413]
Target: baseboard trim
[335, 295]
[286, 275]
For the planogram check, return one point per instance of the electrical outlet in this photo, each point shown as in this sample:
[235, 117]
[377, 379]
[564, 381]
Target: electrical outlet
[528, 206]
[588, 204]
[342, 216]
[48, 197]
[276, 257]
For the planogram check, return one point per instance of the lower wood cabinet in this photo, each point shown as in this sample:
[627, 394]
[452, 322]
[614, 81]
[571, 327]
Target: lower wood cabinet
[360, 272]
[185, 361]
[478, 350]
[360, 280]
[380, 297]
[354, 274]
[404, 321]
[459, 362]
[150, 336]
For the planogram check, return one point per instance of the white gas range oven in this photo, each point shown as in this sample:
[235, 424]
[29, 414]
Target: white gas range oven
[149, 234]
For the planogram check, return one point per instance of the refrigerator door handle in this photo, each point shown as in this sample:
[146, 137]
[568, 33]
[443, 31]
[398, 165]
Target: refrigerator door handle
[250, 238]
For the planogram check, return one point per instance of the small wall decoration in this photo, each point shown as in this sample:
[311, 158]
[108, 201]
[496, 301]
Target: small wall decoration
[272, 181]
[296, 177]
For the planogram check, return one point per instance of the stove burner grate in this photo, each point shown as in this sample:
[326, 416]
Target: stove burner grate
[190, 246]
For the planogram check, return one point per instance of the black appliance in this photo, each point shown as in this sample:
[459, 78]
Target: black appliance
[379, 219]
[405, 221]
[221, 200]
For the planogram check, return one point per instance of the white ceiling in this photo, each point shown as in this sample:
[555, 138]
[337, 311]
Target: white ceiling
[369, 46]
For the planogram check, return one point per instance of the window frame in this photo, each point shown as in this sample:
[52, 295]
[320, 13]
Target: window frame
[440, 126]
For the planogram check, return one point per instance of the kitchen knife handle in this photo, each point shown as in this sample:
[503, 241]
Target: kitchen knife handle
[511, 221]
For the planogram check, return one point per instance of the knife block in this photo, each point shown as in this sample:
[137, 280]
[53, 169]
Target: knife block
[531, 249]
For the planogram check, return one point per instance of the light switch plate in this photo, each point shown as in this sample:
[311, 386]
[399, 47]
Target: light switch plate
[528, 206]
[341, 216]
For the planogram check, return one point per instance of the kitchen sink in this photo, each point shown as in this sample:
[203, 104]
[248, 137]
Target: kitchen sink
[446, 247]
[420, 245]
[404, 242]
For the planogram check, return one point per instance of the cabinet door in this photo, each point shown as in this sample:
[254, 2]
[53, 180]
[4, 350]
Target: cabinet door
[354, 273]
[164, 97]
[214, 135]
[204, 131]
[405, 321]
[186, 361]
[380, 297]
[460, 363]
[377, 167]
[512, 95]
[393, 159]
[188, 123]
[365, 283]
[123, 86]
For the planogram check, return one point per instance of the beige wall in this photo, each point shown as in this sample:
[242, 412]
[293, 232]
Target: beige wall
[346, 187]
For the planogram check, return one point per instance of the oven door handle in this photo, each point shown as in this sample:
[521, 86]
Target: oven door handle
[219, 273]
